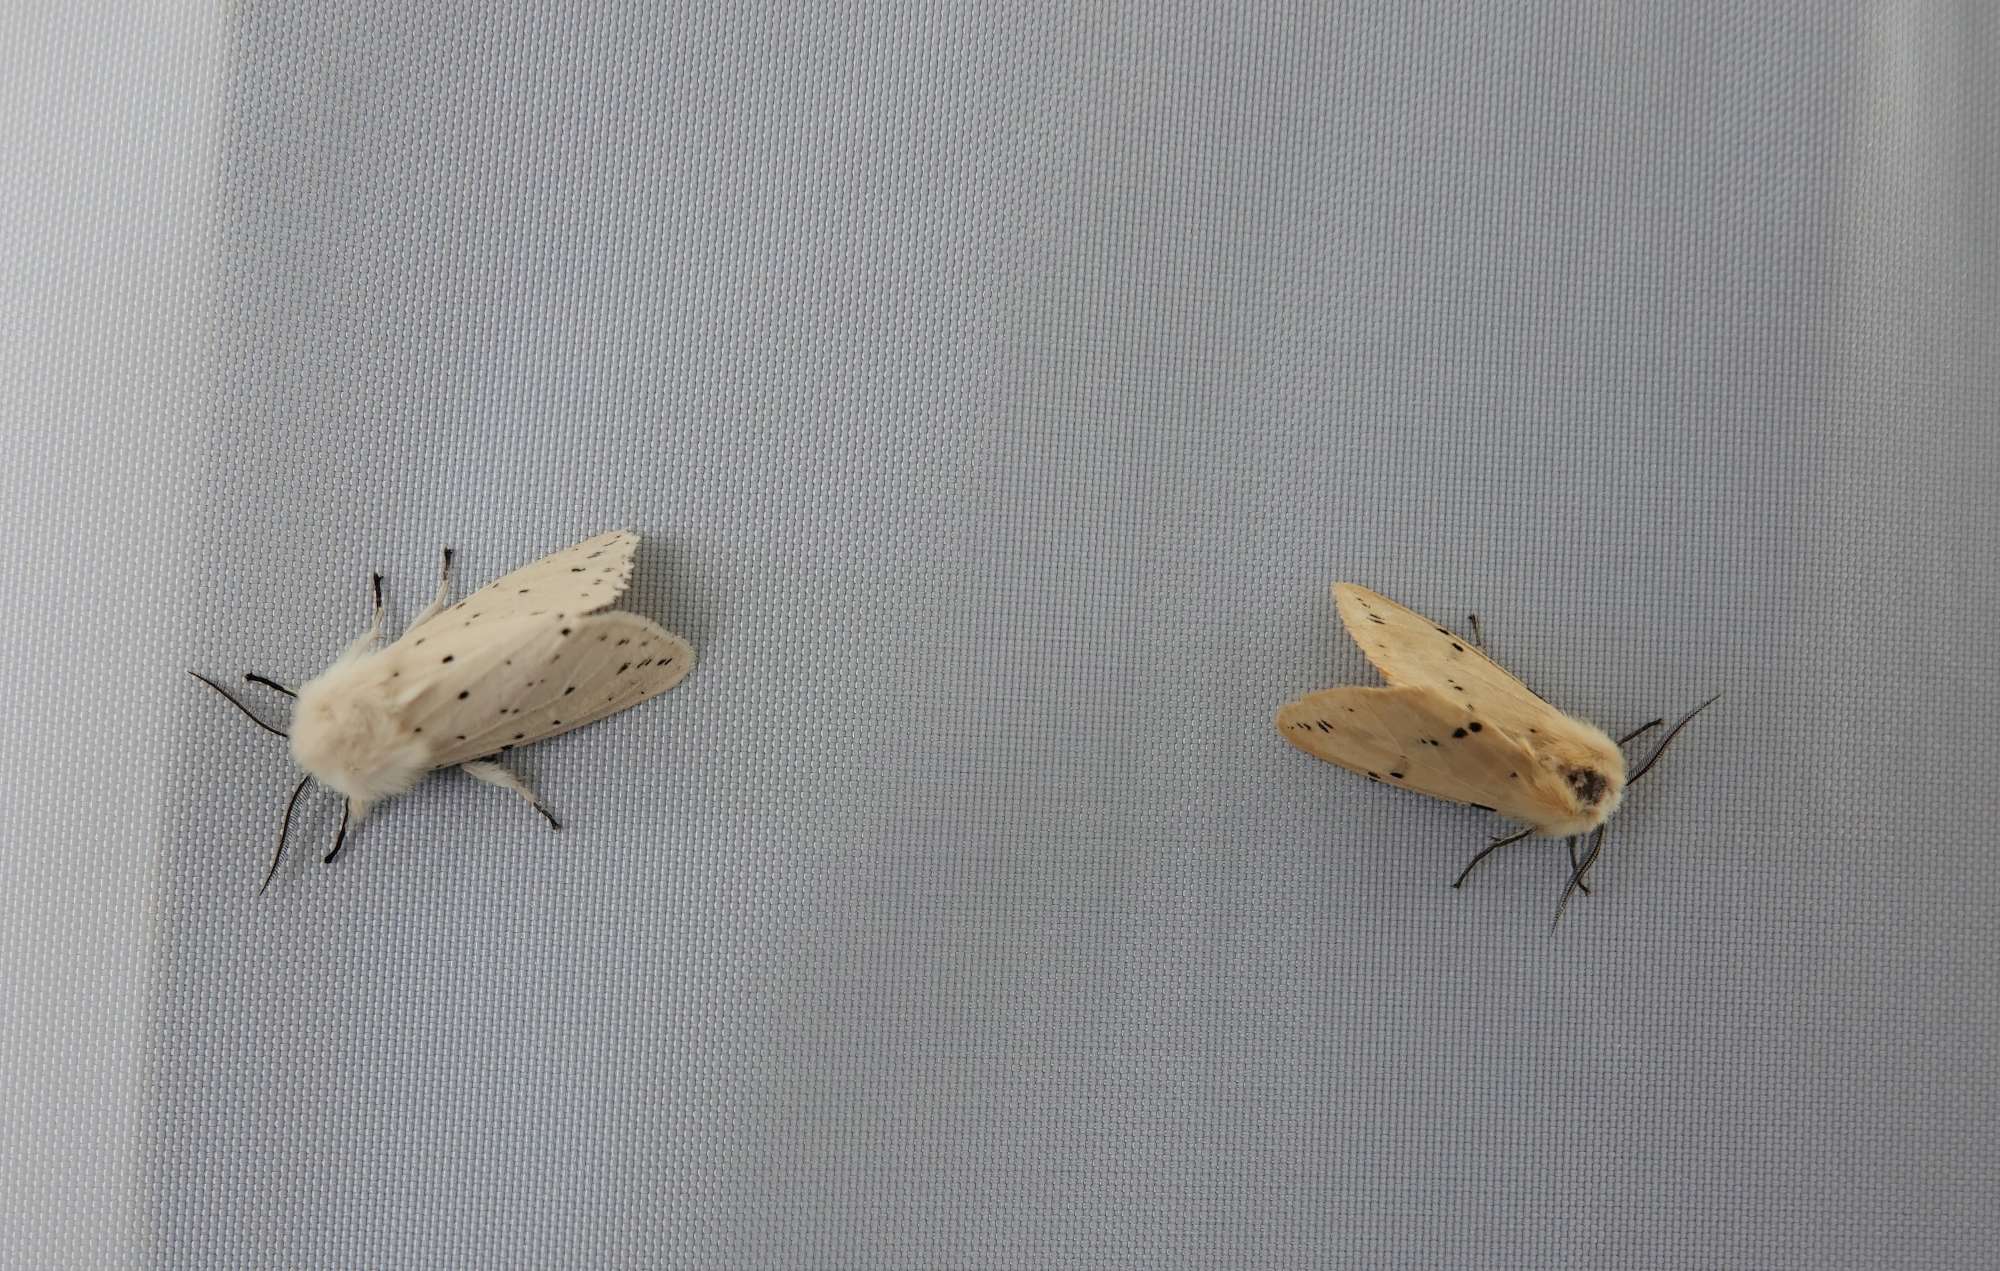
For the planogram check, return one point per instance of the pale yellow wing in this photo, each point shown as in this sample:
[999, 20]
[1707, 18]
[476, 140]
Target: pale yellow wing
[1423, 740]
[1410, 649]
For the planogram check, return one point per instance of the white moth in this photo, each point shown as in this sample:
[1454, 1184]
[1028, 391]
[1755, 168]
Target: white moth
[1453, 725]
[539, 652]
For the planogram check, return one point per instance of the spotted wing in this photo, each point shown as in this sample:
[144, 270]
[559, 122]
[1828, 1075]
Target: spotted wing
[518, 681]
[1422, 740]
[562, 585]
[1410, 649]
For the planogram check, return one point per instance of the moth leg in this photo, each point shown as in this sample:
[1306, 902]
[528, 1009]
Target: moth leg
[1491, 848]
[367, 639]
[1573, 871]
[340, 835]
[1643, 728]
[1590, 858]
[494, 775]
[443, 593]
[253, 678]
[1478, 639]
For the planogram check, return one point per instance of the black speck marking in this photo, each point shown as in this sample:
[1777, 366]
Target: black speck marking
[556, 723]
[625, 668]
[569, 690]
[565, 630]
[420, 640]
[395, 675]
[447, 657]
[623, 642]
[522, 592]
[1323, 726]
[1373, 777]
[1397, 775]
[593, 555]
[1458, 688]
[1442, 631]
[1457, 647]
[1475, 726]
[1458, 732]
[464, 693]
[519, 736]
[576, 569]
[461, 736]
[1372, 618]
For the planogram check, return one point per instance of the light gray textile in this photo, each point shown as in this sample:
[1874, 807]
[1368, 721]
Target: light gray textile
[998, 389]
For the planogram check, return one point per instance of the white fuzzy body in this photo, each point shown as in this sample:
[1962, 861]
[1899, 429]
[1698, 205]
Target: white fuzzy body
[348, 733]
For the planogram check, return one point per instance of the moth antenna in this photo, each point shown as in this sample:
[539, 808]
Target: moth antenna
[340, 835]
[254, 678]
[1572, 865]
[1643, 728]
[1576, 879]
[238, 705]
[283, 827]
[1491, 848]
[1672, 733]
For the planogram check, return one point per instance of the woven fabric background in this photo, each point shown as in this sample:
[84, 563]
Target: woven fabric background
[999, 388]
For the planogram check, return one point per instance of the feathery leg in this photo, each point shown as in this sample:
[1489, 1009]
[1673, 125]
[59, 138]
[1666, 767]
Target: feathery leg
[1492, 847]
[437, 604]
[340, 835]
[1574, 872]
[494, 775]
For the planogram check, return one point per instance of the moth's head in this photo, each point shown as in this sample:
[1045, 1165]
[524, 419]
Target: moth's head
[1589, 770]
[348, 737]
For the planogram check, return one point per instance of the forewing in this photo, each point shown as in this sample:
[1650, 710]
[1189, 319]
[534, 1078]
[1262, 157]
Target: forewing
[1421, 740]
[549, 678]
[1410, 649]
[567, 584]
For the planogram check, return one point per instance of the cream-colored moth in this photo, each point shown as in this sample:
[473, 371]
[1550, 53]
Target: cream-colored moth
[1453, 725]
[537, 653]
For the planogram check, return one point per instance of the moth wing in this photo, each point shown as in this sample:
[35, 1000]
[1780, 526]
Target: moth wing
[1421, 740]
[567, 584]
[521, 680]
[1410, 649]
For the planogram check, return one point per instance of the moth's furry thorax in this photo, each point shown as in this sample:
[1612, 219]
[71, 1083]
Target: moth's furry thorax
[346, 733]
